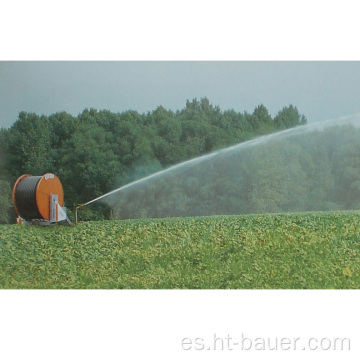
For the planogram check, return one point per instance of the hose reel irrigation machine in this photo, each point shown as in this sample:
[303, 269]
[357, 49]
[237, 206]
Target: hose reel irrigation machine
[39, 200]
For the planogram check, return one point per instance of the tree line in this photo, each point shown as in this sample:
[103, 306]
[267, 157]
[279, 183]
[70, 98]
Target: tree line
[97, 151]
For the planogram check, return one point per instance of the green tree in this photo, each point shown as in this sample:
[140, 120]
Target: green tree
[263, 122]
[88, 165]
[289, 117]
[62, 126]
[5, 188]
[28, 146]
[3, 152]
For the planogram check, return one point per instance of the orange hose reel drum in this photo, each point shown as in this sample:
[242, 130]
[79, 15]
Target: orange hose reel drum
[47, 185]
[42, 188]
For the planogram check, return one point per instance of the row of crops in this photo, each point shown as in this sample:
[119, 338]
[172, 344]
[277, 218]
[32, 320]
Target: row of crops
[277, 251]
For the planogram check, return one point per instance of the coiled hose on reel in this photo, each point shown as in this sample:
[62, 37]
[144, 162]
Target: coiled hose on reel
[31, 195]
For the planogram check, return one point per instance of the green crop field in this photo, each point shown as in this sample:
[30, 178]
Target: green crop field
[281, 251]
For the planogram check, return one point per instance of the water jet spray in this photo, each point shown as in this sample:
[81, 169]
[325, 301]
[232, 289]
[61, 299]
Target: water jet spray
[266, 174]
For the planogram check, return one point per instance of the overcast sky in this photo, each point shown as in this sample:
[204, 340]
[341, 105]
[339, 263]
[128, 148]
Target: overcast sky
[320, 90]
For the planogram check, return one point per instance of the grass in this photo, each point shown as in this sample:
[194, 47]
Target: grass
[273, 251]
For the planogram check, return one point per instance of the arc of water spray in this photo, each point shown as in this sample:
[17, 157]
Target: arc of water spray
[161, 172]
[184, 163]
[255, 141]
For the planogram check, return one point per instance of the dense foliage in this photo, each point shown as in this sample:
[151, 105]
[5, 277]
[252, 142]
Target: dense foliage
[288, 251]
[5, 189]
[98, 151]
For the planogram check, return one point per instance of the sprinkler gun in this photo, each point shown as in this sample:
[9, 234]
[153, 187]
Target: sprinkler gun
[91, 201]
[76, 210]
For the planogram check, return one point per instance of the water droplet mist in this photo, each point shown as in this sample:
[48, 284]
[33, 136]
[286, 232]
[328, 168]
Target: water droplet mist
[308, 168]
